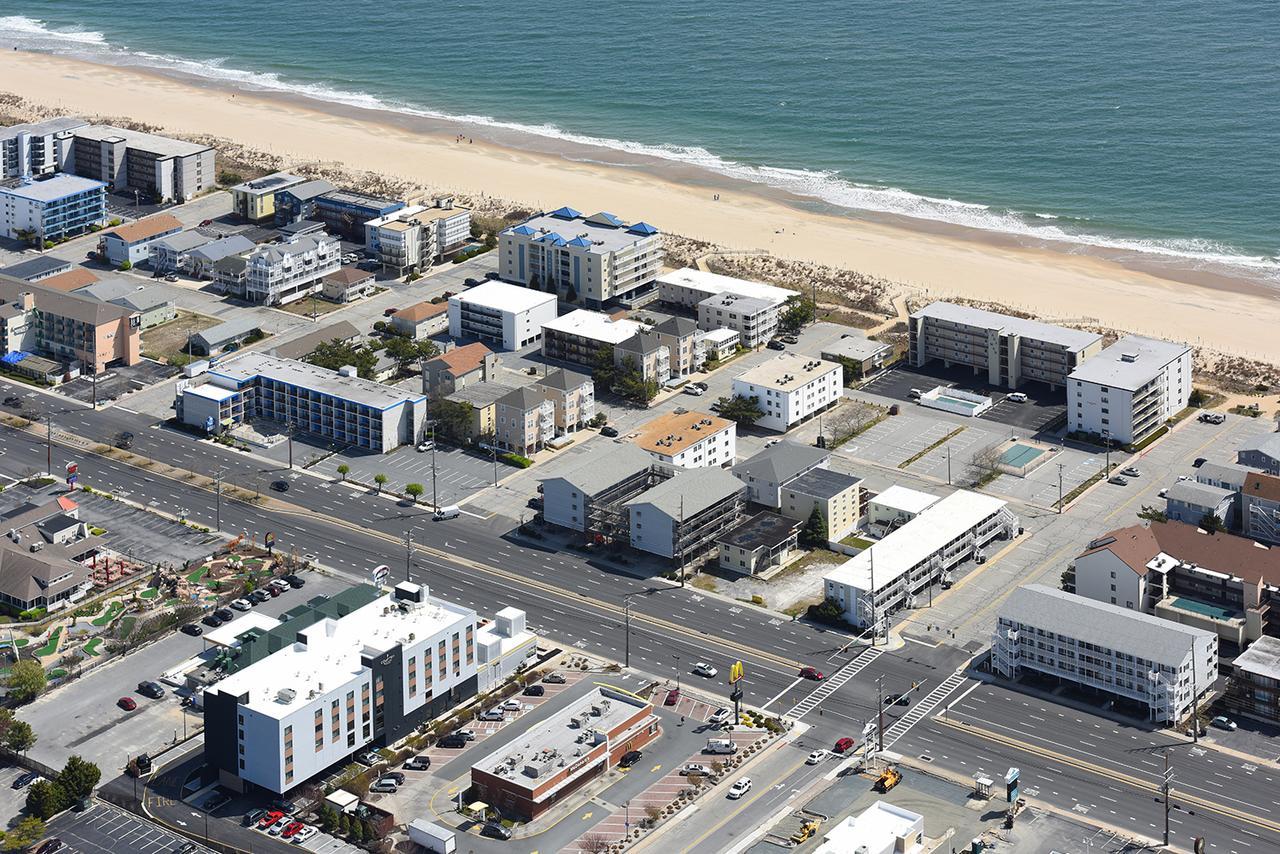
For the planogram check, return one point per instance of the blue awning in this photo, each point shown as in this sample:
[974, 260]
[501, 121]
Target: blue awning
[566, 212]
[642, 228]
[13, 358]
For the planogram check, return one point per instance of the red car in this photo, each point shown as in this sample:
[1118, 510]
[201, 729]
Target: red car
[390, 311]
[673, 697]
[294, 828]
[206, 222]
[127, 703]
[843, 745]
[270, 819]
[812, 673]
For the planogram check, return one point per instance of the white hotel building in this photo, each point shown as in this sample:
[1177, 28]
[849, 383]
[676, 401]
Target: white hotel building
[790, 389]
[359, 670]
[888, 576]
[1129, 389]
[504, 316]
[1156, 663]
[280, 273]
[723, 302]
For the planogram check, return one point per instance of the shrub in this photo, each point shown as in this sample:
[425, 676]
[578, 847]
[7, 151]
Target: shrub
[126, 264]
[516, 460]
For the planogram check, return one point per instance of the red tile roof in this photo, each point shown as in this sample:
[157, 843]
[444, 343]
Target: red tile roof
[463, 360]
[1221, 552]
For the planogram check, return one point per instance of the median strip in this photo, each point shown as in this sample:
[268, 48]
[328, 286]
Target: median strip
[934, 446]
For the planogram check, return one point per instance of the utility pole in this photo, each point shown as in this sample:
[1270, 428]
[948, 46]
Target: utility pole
[871, 553]
[1168, 779]
[880, 714]
[677, 541]
[435, 503]
[1106, 441]
[1059, 488]
[48, 442]
[677, 658]
[948, 465]
[626, 610]
[217, 500]
[1195, 699]
[408, 552]
[289, 433]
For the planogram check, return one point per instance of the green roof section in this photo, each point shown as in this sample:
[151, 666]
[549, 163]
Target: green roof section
[255, 644]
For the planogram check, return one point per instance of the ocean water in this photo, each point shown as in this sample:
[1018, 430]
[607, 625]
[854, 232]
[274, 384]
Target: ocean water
[1148, 129]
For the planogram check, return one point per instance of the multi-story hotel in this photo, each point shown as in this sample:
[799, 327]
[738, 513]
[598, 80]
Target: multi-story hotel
[690, 439]
[1011, 350]
[67, 326]
[157, 167]
[37, 148]
[1155, 665]
[591, 260]
[1130, 389]
[337, 406]
[357, 670]
[790, 388]
[888, 576]
[578, 337]
[279, 273]
[506, 316]
[413, 238]
[51, 209]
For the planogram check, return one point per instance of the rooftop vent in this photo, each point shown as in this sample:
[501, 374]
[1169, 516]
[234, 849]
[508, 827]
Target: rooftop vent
[1128, 357]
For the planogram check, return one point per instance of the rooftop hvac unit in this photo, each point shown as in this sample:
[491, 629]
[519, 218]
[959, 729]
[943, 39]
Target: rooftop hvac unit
[286, 695]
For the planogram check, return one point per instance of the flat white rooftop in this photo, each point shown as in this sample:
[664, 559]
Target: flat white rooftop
[164, 146]
[226, 634]
[906, 500]
[284, 681]
[713, 283]
[311, 377]
[1072, 339]
[51, 189]
[210, 392]
[1130, 363]
[878, 828]
[505, 297]
[905, 548]
[787, 372]
[594, 325]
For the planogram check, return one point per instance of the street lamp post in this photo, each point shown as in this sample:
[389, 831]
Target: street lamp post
[677, 658]
[626, 610]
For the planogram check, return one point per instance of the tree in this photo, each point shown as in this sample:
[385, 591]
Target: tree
[6, 721]
[79, 777]
[381, 480]
[594, 843]
[427, 350]
[344, 470]
[984, 465]
[357, 831]
[799, 313]
[337, 354]
[24, 834]
[1152, 514]
[47, 798]
[1211, 523]
[828, 612]
[631, 384]
[344, 824]
[403, 350]
[414, 491]
[814, 533]
[602, 368]
[126, 264]
[453, 418]
[26, 680]
[743, 410]
[228, 178]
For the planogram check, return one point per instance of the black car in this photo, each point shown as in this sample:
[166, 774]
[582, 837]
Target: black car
[491, 275]
[280, 485]
[225, 614]
[151, 689]
[13, 400]
[212, 620]
[452, 740]
[192, 629]
[26, 780]
[496, 831]
[253, 817]
[631, 757]
[897, 700]
[1199, 462]
[611, 432]
[294, 581]
[418, 763]
[50, 846]
[394, 776]
[534, 691]
[217, 801]
[124, 441]
[775, 344]
[471, 281]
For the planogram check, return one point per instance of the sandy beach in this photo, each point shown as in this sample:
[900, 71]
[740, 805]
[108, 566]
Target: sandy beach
[1231, 316]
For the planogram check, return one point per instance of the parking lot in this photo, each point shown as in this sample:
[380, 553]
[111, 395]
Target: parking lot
[459, 474]
[117, 382]
[135, 532]
[1043, 406]
[103, 828]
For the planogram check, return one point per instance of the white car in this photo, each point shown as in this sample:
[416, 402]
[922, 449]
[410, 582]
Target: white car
[494, 714]
[423, 447]
[305, 834]
[242, 605]
[740, 788]
[695, 768]
[722, 715]
[1162, 493]
[1131, 471]
[694, 390]
[511, 706]
[1016, 397]
[816, 756]
[703, 669]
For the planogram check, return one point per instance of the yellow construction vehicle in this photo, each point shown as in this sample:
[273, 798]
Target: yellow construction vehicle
[809, 828]
[888, 778]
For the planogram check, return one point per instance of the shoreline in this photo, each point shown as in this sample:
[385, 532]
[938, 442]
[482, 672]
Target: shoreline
[1206, 308]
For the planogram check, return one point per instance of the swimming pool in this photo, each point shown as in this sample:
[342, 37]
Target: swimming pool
[1020, 455]
[955, 401]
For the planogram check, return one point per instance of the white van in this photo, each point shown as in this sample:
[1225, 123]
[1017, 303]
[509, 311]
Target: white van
[451, 511]
[720, 745]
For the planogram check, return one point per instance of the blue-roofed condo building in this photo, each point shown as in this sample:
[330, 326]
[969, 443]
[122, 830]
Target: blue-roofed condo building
[589, 260]
[345, 212]
[56, 208]
[334, 405]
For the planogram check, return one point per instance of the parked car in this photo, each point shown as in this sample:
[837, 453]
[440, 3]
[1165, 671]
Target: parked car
[631, 757]
[554, 678]
[423, 447]
[269, 819]
[50, 846]
[224, 613]
[812, 673]
[700, 384]
[280, 824]
[467, 734]
[254, 816]
[1163, 492]
[395, 776]
[127, 703]
[292, 830]
[512, 705]
[1117, 480]
[1131, 471]
[192, 629]
[844, 745]
[369, 758]
[694, 390]
[25, 780]
[257, 597]
[1016, 397]
[390, 311]
[789, 339]
[452, 741]
[740, 788]
[534, 691]
[154, 690]
[720, 716]
[280, 485]
[496, 831]
[1222, 722]
[294, 581]
[242, 605]
[673, 697]
[385, 786]
[212, 620]
[280, 584]
[817, 756]
[494, 714]
[775, 344]
[695, 768]
[306, 833]
[418, 763]
[1199, 461]
[610, 432]
[703, 669]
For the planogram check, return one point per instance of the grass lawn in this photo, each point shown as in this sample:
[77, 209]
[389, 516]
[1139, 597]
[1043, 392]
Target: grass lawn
[57, 673]
[703, 582]
[113, 610]
[814, 557]
[306, 306]
[200, 573]
[51, 645]
[18, 642]
[149, 593]
[168, 339]
[126, 625]
[91, 648]
[856, 541]
[171, 602]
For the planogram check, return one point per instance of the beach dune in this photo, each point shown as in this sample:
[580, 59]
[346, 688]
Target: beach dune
[1233, 316]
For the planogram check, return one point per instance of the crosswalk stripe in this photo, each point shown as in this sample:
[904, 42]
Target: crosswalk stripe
[922, 708]
[833, 682]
